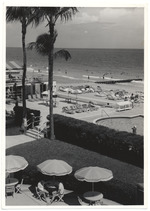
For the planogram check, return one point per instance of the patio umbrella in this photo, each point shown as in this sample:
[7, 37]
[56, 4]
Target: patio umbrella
[93, 174]
[15, 163]
[54, 168]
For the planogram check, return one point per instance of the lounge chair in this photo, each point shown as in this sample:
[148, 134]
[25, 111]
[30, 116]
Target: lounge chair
[73, 107]
[80, 108]
[9, 190]
[85, 106]
[30, 98]
[67, 110]
[92, 107]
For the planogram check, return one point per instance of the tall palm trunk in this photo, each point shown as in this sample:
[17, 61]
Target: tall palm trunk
[24, 69]
[50, 80]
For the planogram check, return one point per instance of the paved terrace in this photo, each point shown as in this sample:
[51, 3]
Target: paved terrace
[28, 198]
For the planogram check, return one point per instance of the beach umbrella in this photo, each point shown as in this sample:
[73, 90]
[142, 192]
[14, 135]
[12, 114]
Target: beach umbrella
[54, 168]
[93, 174]
[45, 93]
[15, 163]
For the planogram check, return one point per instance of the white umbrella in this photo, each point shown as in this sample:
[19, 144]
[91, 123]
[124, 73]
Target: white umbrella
[93, 174]
[15, 163]
[45, 93]
[55, 168]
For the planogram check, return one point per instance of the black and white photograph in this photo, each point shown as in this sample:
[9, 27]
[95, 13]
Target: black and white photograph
[74, 106]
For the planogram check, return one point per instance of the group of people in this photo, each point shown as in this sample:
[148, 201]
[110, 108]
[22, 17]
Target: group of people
[52, 189]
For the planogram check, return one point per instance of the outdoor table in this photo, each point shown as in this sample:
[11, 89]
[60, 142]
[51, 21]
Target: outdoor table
[93, 196]
[11, 181]
[51, 186]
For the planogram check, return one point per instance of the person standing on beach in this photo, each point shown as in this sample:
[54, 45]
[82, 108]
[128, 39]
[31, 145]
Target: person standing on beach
[134, 130]
[132, 99]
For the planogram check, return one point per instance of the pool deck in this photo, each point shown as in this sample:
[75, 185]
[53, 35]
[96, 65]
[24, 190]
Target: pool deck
[89, 116]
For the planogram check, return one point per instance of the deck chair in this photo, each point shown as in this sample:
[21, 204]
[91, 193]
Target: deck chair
[58, 194]
[30, 98]
[85, 106]
[9, 190]
[41, 194]
[67, 110]
[18, 187]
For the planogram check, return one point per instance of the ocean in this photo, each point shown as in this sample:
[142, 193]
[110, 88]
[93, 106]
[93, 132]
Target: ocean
[114, 63]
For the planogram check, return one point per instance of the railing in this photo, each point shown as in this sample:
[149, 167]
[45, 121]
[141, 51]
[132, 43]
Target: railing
[40, 128]
[33, 120]
[103, 111]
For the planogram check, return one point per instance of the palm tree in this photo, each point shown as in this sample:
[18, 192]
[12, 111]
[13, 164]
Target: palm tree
[51, 15]
[42, 47]
[25, 16]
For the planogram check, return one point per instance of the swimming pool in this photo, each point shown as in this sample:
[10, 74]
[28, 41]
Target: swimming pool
[123, 123]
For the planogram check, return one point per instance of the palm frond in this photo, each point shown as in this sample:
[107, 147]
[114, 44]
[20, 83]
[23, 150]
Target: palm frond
[37, 16]
[19, 14]
[62, 54]
[66, 13]
[42, 43]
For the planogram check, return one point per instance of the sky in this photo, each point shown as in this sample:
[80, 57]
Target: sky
[91, 27]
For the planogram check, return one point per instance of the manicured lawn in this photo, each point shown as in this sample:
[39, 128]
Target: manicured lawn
[122, 188]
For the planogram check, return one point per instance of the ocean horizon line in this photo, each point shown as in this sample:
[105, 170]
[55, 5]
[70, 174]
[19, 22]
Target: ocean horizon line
[92, 48]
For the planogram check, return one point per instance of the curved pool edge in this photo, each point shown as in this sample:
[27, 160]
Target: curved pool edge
[115, 117]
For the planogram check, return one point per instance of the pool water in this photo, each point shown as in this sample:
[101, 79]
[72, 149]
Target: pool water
[124, 123]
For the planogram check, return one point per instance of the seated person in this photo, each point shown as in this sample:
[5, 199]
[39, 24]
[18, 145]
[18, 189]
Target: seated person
[61, 188]
[59, 193]
[41, 186]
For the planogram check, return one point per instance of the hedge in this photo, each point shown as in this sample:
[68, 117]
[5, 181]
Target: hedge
[19, 115]
[121, 145]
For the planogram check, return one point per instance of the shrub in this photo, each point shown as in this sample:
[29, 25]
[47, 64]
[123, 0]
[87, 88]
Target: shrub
[123, 146]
